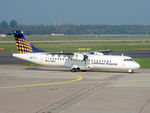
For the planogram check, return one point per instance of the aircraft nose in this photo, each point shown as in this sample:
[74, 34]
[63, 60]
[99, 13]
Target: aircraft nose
[137, 65]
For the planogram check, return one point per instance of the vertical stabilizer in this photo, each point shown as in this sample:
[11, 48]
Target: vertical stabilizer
[23, 45]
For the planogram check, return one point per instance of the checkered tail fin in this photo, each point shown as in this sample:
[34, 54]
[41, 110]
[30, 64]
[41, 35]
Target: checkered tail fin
[23, 45]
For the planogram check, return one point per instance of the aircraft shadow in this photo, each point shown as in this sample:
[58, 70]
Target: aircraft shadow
[67, 70]
[111, 71]
[51, 69]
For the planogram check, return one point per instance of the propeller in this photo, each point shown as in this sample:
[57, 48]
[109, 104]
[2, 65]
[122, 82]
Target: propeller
[85, 57]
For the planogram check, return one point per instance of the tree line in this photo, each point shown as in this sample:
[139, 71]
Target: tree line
[7, 28]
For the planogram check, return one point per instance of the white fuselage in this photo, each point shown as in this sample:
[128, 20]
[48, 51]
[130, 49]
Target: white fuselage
[93, 62]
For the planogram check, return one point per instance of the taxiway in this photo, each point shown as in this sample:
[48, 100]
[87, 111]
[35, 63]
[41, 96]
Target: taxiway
[41, 89]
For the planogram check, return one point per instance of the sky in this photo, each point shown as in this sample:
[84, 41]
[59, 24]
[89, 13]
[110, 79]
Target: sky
[51, 12]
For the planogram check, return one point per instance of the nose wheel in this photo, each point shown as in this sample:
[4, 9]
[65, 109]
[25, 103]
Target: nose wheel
[130, 71]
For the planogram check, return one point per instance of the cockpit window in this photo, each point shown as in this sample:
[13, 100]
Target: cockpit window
[128, 59]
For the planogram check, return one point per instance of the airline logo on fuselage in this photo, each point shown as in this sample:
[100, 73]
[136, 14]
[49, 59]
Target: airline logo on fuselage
[105, 63]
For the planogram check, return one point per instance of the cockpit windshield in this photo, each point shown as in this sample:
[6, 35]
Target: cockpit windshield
[128, 59]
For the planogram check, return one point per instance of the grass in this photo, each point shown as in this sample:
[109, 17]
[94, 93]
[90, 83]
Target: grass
[74, 46]
[144, 62]
[95, 46]
[8, 47]
[80, 37]
[32, 64]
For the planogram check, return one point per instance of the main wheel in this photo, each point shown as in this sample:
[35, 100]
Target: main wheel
[73, 70]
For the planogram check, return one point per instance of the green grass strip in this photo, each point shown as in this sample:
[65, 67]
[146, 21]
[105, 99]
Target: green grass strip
[144, 62]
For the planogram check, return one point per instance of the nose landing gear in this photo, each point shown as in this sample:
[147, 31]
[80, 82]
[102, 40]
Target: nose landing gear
[130, 71]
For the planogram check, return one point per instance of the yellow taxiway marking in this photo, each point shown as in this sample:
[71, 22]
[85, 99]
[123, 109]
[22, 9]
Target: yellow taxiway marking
[46, 84]
[112, 81]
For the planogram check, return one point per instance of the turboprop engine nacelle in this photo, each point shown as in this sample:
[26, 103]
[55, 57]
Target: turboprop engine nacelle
[98, 53]
[78, 56]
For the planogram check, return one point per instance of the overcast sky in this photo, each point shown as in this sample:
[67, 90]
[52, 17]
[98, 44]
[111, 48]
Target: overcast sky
[110, 12]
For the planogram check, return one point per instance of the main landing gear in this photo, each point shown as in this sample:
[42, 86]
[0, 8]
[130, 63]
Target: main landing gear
[77, 69]
[74, 70]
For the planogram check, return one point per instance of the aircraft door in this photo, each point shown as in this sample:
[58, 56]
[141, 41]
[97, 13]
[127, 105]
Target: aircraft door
[42, 59]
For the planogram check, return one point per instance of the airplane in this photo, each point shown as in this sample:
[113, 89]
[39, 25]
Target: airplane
[78, 61]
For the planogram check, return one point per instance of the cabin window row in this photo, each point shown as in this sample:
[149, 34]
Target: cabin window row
[103, 61]
[59, 58]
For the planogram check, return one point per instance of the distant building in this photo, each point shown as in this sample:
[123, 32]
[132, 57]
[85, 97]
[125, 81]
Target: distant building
[2, 35]
[53, 34]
